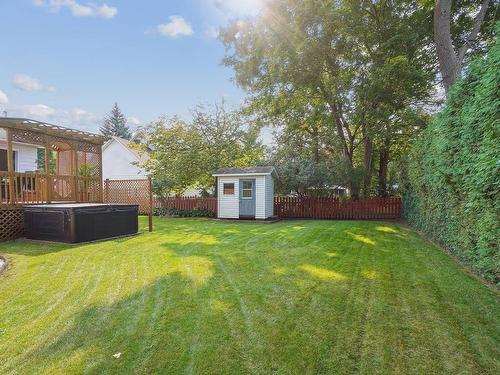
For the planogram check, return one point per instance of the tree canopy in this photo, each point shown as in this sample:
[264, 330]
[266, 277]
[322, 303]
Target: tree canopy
[185, 154]
[350, 75]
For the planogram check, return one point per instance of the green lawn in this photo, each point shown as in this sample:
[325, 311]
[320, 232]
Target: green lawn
[206, 297]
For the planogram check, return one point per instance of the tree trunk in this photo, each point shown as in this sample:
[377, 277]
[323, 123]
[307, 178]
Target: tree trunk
[367, 162]
[382, 169]
[450, 64]
[444, 45]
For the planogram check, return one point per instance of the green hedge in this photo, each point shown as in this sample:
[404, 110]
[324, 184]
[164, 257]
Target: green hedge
[454, 190]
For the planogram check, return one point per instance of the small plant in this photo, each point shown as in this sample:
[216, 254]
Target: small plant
[159, 211]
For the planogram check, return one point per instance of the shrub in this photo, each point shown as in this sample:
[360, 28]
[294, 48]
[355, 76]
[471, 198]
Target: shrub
[197, 212]
[454, 190]
[159, 211]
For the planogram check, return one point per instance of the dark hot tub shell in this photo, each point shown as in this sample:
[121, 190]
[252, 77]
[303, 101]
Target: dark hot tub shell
[79, 222]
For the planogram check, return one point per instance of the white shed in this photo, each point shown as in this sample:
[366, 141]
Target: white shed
[245, 193]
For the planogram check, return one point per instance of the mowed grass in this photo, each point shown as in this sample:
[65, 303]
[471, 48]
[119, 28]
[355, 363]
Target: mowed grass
[205, 297]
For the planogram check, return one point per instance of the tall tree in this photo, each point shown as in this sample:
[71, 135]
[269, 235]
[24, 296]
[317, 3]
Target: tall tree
[311, 64]
[450, 52]
[115, 124]
[299, 64]
[394, 78]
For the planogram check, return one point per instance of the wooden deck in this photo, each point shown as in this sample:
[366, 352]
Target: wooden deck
[32, 188]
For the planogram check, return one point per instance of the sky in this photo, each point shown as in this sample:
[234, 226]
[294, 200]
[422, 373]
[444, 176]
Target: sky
[68, 61]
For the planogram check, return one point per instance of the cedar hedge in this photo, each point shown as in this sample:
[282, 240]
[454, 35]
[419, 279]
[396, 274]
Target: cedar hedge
[454, 175]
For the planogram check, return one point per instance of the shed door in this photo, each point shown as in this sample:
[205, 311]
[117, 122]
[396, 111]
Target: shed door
[247, 198]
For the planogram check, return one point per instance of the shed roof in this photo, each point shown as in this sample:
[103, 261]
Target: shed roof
[245, 171]
[54, 130]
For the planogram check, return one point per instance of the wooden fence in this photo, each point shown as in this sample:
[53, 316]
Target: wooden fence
[334, 208]
[187, 203]
[298, 207]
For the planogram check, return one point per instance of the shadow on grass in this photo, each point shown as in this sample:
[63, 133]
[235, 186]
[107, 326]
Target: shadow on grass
[27, 247]
[152, 329]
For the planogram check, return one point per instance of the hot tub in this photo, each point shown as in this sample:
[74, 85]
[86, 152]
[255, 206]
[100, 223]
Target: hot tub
[79, 222]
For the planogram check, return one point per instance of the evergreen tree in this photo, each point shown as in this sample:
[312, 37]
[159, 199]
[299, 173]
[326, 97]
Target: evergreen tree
[115, 124]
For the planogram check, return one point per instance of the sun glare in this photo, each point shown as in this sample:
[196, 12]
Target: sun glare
[241, 8]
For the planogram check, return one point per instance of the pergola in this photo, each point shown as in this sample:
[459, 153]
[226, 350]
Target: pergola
[72, 164]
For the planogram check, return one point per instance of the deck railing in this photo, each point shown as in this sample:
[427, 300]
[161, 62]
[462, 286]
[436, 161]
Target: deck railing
[36, 188]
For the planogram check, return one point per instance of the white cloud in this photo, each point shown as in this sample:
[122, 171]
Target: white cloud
[78, 9]
[107, 11]
[75, 118]
[27, 83]
[212, 32]
[39, 110]
[3, 98]
[133, 121]
[177, 26]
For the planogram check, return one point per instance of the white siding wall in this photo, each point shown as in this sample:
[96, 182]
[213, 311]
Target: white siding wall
[117, 163]
[25, 156]
[269, 196]
[228, 205]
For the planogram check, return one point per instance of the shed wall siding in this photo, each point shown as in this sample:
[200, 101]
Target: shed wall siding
[269, 196]
[228, 205]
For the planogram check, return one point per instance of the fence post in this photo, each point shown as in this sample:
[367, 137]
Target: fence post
[10, 168]
[106, 188]
[150, 184]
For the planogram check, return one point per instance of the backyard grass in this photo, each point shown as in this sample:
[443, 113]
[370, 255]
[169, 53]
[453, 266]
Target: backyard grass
[205, 297]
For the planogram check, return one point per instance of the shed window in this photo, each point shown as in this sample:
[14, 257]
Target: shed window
[247, 190]
[228, 189]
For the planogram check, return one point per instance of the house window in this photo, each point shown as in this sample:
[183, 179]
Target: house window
[3, 160]
[228, 189]
[247, 189]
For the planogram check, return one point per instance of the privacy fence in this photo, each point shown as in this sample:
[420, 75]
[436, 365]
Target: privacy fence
[334, 208]
[304, 207]
[187, 203]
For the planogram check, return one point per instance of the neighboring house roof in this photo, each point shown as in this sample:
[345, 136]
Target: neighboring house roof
[141, 156]
[245, 171]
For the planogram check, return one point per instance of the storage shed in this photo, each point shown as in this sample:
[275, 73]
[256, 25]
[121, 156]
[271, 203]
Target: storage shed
[245, 193]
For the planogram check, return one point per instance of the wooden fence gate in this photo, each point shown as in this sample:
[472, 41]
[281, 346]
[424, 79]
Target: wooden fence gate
[138, 191]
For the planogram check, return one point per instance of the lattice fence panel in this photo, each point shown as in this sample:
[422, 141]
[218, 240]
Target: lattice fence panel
[11, 224]
[26, 136]
[129, 191]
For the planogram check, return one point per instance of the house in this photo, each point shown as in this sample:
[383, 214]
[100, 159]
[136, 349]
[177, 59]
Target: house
[122, 160]
[24, 155]
[245, 193]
